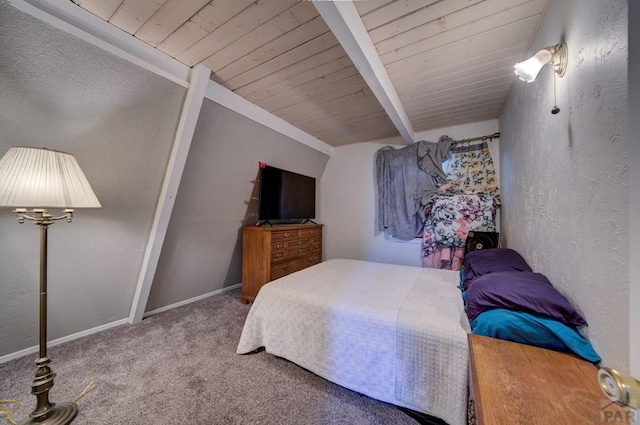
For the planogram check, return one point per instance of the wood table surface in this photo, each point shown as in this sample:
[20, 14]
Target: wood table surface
[521, 384]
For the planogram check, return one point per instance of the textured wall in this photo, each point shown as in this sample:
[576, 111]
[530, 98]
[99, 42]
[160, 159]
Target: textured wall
[202, 250]
[119, 122]
[348, 207]
[634, 187]
[565, 177]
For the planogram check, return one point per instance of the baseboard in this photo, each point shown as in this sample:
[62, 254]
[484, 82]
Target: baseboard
[190, 300]
[34, 349]
[64, 339]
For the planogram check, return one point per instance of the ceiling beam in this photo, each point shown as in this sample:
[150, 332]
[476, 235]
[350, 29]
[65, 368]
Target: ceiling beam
[184, 135]
[344, 21]
[225, 97]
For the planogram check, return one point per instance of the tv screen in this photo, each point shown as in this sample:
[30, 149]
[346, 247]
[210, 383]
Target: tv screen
[285, 195]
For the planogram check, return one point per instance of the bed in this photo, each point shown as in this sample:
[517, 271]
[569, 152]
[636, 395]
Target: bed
[394, 333]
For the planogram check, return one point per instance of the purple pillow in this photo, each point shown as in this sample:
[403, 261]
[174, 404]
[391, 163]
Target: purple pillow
[521, 291]
[483, 261]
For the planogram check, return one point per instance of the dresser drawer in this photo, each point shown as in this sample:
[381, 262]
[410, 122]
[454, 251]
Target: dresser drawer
[310, 260]
[277, 246]
[291, 245]
[316, 231]
[284, 235]
[297, 252]
[278, 256]
[283, 269]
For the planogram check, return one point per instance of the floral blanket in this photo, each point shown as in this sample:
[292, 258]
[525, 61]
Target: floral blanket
[435, 256]
[451, 217]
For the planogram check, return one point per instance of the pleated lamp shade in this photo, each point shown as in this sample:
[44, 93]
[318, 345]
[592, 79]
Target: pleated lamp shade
[43, 178]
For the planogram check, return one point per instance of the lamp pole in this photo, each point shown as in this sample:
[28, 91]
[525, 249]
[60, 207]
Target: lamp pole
[45, 412]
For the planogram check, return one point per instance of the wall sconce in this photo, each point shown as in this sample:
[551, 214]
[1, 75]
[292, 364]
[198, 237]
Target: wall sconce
[529, 69]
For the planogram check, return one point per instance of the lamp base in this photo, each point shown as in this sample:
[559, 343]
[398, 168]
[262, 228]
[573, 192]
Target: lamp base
[61, 414]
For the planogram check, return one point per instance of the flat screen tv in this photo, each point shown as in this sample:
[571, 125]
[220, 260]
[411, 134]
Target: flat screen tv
[285, 195]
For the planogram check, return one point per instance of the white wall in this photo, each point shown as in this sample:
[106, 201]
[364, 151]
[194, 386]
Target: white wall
[565, 177]
[119, 121]
[348, 199]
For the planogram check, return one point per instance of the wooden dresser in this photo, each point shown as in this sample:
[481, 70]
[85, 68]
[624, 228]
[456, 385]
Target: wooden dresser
[269, 253]
[520, 384]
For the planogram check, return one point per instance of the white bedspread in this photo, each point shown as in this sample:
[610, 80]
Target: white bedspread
[394, 333]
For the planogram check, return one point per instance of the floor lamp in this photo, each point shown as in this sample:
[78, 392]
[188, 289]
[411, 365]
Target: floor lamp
[34, 180]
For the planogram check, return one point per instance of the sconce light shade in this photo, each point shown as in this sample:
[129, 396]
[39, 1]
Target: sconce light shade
[529, 69]
[43, 178]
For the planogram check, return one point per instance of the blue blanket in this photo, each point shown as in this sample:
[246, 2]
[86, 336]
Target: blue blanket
[535, 330]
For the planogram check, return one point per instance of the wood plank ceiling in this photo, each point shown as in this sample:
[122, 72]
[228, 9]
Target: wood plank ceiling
[450, 61]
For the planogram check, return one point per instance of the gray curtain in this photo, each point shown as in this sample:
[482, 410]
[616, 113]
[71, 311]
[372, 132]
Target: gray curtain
[406, 180]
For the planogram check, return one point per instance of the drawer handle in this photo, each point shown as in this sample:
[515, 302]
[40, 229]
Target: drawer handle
[286, 235]
[279, 255]
[285, 267]
[278, 246]
[310, 260]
